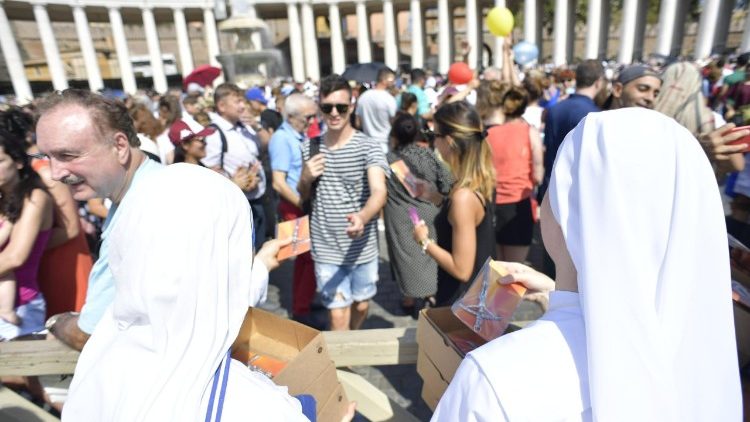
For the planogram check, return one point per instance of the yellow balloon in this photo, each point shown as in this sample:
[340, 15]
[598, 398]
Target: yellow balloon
[500, 21]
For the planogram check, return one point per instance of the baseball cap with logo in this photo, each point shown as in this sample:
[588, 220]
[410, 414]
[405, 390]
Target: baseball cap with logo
[180, 132]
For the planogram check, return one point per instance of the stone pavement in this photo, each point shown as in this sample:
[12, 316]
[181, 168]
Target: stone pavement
[400, 383]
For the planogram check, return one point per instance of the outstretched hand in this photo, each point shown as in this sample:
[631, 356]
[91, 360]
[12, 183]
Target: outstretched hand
[537, 283]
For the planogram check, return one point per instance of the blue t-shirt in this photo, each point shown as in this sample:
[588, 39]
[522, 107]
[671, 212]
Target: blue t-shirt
[285, 149]
[101, 290]
[561, 119]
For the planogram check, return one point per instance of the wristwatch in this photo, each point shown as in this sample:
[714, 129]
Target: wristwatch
[51, 321]
[50, 324]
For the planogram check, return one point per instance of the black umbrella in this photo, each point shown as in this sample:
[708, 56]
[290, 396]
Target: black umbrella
[363, 72]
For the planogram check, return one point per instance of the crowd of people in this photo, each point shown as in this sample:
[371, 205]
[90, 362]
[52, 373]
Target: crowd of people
[452, 173]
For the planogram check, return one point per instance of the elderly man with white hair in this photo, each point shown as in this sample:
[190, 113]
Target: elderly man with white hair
[285, 149]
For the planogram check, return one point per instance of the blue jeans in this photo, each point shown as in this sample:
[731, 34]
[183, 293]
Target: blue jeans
[340, 285]
[259, 222]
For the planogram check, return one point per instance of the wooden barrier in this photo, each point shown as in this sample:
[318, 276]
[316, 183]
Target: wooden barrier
[388, 346]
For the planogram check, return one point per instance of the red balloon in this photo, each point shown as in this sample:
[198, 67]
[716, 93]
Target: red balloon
[460, 73]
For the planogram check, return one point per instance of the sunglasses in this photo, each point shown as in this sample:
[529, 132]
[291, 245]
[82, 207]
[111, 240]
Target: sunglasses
[328, 108]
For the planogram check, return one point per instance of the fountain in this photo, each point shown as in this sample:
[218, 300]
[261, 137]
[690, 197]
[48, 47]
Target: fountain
[253, 58]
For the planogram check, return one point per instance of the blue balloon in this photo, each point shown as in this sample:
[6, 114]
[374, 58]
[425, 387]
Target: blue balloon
[525, 52]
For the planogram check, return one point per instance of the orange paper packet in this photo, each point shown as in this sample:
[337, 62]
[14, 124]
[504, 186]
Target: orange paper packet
[299, 231]
[488, 306]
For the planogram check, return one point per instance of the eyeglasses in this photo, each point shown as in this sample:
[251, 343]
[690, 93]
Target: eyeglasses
[328, 108]
[309, 117]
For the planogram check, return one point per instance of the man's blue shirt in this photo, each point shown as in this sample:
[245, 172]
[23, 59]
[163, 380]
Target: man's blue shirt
[101, 289]
[285, 149]
[561, 119]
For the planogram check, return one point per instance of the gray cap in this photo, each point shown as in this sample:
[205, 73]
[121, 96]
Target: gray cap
[634, 72]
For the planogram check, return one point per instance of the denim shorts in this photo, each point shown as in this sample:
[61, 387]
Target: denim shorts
[351, 282]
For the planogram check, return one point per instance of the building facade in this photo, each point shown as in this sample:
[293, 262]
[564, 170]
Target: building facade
[326, 35]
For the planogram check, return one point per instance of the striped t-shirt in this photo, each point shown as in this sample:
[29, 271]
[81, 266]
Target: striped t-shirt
[342, 190]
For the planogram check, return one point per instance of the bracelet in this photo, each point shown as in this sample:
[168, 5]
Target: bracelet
[424, 243]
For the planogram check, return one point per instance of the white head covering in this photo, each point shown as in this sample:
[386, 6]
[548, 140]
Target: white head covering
[181, 256]
[642, 218]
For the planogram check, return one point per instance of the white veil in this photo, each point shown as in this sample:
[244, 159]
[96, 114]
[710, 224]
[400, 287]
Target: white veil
[642, 218]
[181, 256]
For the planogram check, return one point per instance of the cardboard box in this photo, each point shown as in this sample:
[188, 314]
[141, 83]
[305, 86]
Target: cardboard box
[433, 330]
[308, 368]
[433, 385]
[335, 407]
[439, 357]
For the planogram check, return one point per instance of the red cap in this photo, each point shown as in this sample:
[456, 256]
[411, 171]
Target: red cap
[180, 132]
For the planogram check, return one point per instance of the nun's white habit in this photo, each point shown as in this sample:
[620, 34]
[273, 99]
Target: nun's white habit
[649, 336]
[181, 257]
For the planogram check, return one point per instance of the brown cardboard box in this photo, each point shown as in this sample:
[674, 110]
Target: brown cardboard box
[438, 356]
[308, 369]
[433, 385]
[335, 407]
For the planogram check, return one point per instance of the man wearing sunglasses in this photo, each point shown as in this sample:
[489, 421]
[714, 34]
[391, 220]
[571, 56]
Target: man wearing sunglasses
[349, 173]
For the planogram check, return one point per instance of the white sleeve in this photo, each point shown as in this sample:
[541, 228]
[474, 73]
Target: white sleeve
[258, 283]
[213, 150]
[469, 397]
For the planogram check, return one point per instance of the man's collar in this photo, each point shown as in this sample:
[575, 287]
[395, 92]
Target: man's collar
[222, 123]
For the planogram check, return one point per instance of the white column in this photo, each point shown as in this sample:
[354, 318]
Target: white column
[593, 29]
[255, 37]
[310, 40]
[154, 50]
[744, 47]
[667, 17]
[499, 42]
[627, 31]
[364, 50]
[12, 57]
[87, 49]
[123, 54]
[49, 43]
[417, 35]
[707, 28]
[444, 37]
[183, 41]
[529, 21]
[212, 40]
[389, 42]
[338, 59]
[472, 33]
[295, 42]
[560, 49]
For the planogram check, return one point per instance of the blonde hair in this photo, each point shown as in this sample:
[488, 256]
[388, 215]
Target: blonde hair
[472, 163]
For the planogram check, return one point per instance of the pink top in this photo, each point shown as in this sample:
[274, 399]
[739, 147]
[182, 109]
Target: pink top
[26, 274]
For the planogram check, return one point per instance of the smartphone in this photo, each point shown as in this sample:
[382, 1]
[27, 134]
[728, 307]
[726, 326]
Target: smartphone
[743, 140]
